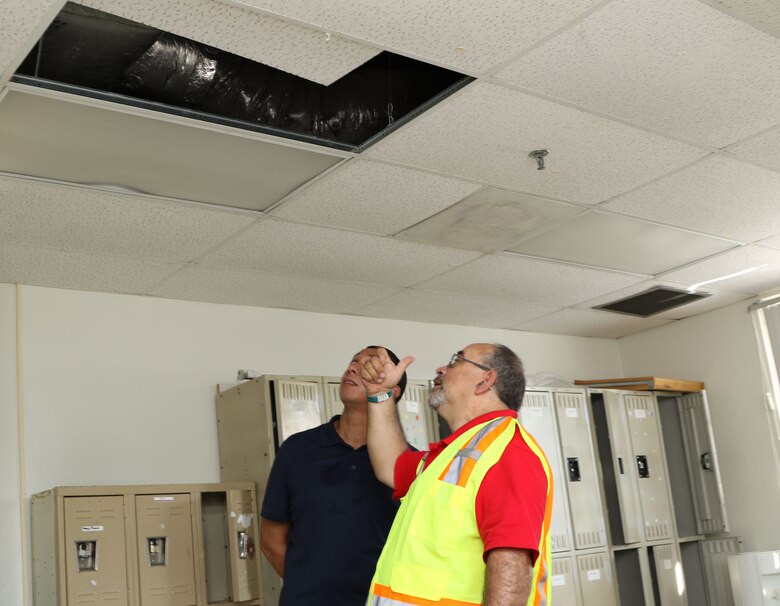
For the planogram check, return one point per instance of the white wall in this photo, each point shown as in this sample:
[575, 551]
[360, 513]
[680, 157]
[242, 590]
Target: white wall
[10, 523]
[720, 349]
[120, 389]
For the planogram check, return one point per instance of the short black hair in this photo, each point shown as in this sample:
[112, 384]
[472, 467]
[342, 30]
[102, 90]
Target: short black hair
[396, 360]
[510, 375]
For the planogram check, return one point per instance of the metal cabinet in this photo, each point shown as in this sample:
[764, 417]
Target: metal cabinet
[150, 545]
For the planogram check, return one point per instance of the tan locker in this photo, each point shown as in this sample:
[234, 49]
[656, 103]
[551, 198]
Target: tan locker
[166, 569]
[623, 467]
[649, 467]
[563, 583]
[333, 404]
[537, 416]
[243, 539]
[299, 406]
[708, 500]
[95, 550]
[596, 581]
[669, 581]
[582, 481]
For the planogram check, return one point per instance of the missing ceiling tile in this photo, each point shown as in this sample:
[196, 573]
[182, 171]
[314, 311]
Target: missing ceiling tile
[653, 301]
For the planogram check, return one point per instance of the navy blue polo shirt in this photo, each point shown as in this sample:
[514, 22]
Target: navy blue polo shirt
[340, 516]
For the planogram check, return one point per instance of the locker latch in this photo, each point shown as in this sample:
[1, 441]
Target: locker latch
[574, 469]
[86, 555]
[156, 551]
[641, 466]
[706, 462]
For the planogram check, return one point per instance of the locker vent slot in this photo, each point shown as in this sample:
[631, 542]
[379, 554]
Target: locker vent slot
[562, 566]
[708, 526]
[536, 400]
[590, 539]
[298, 391]
[593, 562]
[657, 531]
[559, 542]
[730, 545]
[569, 400]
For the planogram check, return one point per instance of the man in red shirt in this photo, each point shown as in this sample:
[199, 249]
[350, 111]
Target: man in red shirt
[481, 383]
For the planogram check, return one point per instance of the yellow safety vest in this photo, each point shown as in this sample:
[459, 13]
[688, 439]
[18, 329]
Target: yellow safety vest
[433, 555]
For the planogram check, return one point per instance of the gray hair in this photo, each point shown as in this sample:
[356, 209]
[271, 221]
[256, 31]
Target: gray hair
[510, 375]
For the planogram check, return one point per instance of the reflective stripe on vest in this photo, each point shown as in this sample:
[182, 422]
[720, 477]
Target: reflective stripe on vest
[384, 596]
[459, 469]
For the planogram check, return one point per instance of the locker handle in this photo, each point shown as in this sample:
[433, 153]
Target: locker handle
[574, 469]
[641, 466]
[706, 462]
[620, 465]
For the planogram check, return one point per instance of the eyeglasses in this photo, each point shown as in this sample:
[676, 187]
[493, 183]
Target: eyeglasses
[459, 357]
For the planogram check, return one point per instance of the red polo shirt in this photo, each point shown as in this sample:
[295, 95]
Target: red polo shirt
[511, 499]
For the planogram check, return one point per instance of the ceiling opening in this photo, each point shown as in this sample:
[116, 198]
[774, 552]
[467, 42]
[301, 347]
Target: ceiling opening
[652, 301]
[95, 54]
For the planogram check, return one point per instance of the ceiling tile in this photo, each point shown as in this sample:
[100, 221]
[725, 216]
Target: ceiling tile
[718, 195]
[717, 298]
[772, 242]
[21, 24]
[197, 283]
[486, 133]
[83, 220]
[79, 271]
[315, 55]
[508, 276]
[373, 197]
[489, 220]
[435, 30]
[678, 66]
[128, 150]
[281, 247]
[762, 149]
[763, 14]
[436, 307]
[599, 324]
[622, 243]
[765, 276]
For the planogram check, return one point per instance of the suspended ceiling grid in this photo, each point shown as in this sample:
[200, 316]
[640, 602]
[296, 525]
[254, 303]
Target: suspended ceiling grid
[663, 122]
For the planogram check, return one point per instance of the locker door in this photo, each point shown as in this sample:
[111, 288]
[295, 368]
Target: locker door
[625, 478]
[703, 470]
[538, 418]
[648, 466]
[333, 404]
[564, 582]
[299, 406]
[597, 583]
[414, 416]
[95, 553]
[242, 540]
[579, 463]
[669, 579]
[166, 562]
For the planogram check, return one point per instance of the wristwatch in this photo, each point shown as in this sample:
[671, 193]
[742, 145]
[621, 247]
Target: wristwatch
[380, 397]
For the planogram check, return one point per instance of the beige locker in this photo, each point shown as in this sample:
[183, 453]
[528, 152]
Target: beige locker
[563, 583]
[649, 466]
[95, 550]
[537, 416]
[669, 580]
[243, 538]
[704, 472]
[166, 563]
[299, 405]
[582, 481]
[596, 581]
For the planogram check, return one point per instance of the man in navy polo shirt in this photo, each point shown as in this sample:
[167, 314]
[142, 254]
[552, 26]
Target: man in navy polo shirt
[325, 516]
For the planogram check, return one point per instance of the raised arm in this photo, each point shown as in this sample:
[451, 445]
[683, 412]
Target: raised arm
[386, 440]
[508, 577]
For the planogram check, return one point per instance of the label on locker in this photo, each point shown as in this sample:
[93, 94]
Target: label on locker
[91, 529]
[667, 564]
[533, 412]
[163, 498]
[640, 414]
[558, 580]
[594, 575]
[572, 412]
[412, 406]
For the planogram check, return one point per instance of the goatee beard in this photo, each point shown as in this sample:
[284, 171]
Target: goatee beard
[436, 398]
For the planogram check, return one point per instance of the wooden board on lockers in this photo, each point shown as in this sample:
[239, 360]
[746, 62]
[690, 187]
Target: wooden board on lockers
[644, 384]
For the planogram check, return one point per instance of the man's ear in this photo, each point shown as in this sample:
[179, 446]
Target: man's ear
[396, 392]
[487, 383]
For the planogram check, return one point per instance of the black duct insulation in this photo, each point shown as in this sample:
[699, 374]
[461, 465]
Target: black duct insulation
[94, 50]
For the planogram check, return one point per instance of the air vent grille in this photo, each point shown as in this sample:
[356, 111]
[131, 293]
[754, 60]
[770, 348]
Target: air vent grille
[652, 301]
